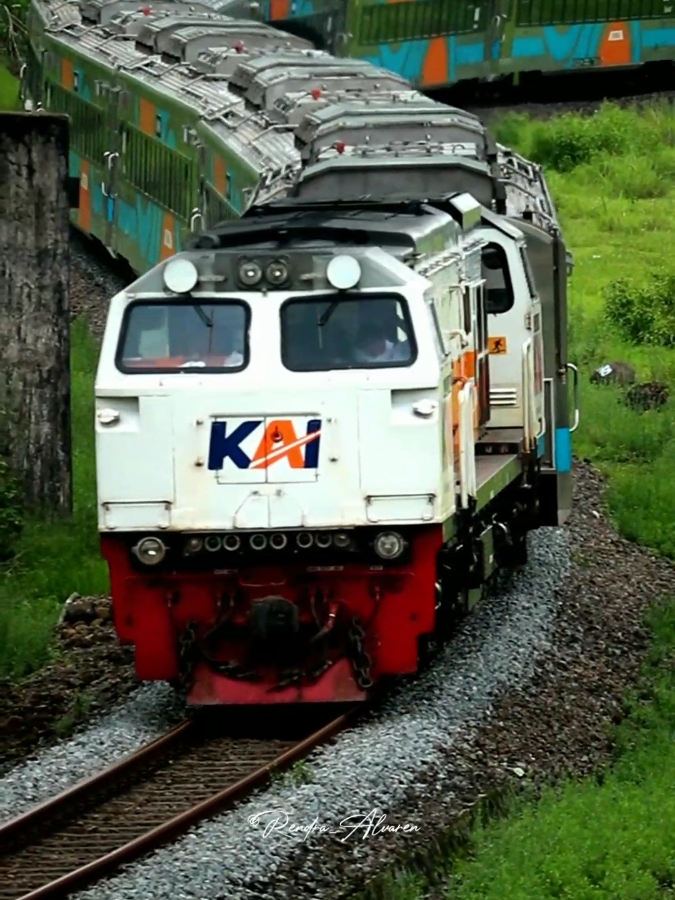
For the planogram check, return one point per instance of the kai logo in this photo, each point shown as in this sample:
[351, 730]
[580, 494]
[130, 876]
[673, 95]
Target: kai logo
[279, 441]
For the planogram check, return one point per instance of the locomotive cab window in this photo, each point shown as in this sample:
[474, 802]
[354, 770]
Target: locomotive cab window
[184, 337]
[324, 333]
[498, 287]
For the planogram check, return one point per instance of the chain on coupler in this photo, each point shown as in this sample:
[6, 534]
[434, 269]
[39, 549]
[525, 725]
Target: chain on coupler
[361, 661]
[187, 655]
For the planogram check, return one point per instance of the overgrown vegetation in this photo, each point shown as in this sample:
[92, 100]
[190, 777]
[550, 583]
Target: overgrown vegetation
[12, 27]
[52, 561]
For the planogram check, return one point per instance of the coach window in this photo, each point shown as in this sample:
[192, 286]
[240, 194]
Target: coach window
[182, 337]
[498, 287]
[363, 332]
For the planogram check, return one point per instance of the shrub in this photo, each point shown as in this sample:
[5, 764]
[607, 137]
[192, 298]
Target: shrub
[643, 311]
[12, 27]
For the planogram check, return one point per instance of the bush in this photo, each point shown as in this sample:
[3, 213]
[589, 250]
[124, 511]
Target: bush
[643, 311]
[570, 141]
[12, 27]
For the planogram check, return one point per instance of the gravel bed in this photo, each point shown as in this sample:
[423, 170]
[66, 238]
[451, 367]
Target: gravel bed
[376, 764]
[145, 715]
[95, 278]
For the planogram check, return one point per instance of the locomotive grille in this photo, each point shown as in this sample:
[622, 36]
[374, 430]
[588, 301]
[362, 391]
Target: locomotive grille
[503, 397]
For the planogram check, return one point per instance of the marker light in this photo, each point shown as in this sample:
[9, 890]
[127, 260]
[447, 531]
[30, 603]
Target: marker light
[278, 540]
[258, 541]
[232, 542]
[250, 273]
[343, 272]
[323, 540]
[212, 543]
[150, 551]
[389, 545]
[277, 272]
[304, 540]
[180, 276]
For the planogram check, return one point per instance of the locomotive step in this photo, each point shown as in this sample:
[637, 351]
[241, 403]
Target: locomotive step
[500, 441]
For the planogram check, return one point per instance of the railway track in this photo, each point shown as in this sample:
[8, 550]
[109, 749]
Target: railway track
[136, 805]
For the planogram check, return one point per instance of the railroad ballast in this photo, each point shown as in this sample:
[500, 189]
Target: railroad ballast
[322, 428]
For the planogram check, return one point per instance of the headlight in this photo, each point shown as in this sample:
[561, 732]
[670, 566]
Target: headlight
[250, 273]
[389, 545]
[194, 545]
[150, 551]
[343, 272]
[180, 275]
[277, 272]
[258, 541]
[342, 540]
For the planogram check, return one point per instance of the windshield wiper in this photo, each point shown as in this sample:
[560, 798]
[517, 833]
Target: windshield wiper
[200, 312]
[325, 316]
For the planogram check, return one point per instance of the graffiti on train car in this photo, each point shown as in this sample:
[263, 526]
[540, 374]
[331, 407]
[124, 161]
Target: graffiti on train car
[445, 60]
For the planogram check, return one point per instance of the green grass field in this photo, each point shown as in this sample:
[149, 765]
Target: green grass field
[9, 91]
[613, 178]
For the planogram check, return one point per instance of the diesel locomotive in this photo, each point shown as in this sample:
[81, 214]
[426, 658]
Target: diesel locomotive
[337, 397]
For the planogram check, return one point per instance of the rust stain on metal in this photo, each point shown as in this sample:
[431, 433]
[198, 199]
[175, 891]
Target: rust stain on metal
[232, 756]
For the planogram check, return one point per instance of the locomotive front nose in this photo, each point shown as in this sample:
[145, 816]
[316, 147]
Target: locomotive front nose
[274, 621]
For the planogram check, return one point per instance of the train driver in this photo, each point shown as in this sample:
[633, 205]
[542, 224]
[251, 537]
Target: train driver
[373, 344]
[180, 336]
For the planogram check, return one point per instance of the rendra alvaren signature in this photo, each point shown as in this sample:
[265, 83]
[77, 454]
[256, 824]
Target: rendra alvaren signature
[372, 824]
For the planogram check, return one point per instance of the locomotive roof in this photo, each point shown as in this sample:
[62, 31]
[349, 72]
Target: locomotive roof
[252, 87]
[402, 227]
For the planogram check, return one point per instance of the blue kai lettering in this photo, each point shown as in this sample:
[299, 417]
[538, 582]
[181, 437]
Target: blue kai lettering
[279, 441]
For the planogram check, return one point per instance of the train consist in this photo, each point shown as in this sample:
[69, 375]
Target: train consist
[328, 420]
[439, 43]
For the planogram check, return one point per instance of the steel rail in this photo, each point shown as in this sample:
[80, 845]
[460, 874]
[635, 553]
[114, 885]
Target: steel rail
[156, 837]
[52, 806]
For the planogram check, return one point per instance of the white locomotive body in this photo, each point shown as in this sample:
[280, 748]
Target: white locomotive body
[323, 426]
[294, 430]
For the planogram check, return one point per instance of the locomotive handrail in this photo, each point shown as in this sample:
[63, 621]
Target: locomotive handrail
[577, 415]
[528, 395]
[467, 458]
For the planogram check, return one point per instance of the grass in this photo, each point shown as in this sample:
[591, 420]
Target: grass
[55, 560]
[9, 90]
[613, 178]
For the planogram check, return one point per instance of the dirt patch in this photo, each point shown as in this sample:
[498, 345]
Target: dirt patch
[90, 673]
